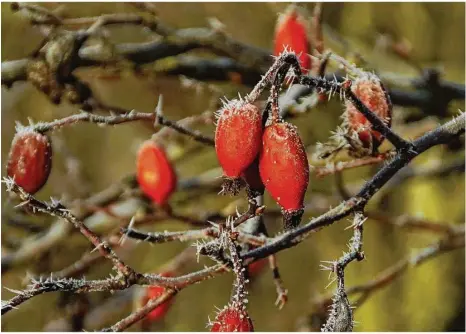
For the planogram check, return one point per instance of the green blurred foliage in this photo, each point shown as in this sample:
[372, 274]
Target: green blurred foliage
[423, 299]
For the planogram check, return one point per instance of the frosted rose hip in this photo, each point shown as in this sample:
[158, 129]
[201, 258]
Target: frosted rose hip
[232, 319]
[284, 169]
[371, 92]
[237, 141]
[30, 160]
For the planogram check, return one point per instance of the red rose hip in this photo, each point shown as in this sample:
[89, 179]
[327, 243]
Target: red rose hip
[284, 169]
[30, 159]
[154, 292]
[232, 319]
[291, 33]
[237, 141]
[371, 92]
[155, 173]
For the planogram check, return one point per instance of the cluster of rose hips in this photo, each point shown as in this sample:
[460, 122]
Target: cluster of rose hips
[261, 153]
[271, 157]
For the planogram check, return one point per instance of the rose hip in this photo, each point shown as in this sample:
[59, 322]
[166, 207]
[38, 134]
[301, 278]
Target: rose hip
[284, 169]
[372, 93]
[155, 173]
[237, 141]
[30, 159]
[232, 319]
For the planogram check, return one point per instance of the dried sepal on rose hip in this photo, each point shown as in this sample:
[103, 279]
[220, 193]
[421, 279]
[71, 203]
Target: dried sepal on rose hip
[284, 169]
[237, 141]
[155, 174]
[371, 92]
[291, 33]
[30, 159]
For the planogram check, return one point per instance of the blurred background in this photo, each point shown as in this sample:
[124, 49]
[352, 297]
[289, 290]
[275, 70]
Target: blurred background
[88, 158]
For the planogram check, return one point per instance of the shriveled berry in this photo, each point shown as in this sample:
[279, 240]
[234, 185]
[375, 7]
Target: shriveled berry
[237, 141]
[154, 292]
[232, 319]
[291, 32]
[155, 173]
[284, 169]
[30, 159]
[253, 179]
[371, 92]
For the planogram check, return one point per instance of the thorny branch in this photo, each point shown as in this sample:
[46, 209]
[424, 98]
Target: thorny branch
[130, 116]
[365, 290]
[245, 63]
[289, 239]
[341, 314]
[248, 59]
[441, 135]
[56, 209]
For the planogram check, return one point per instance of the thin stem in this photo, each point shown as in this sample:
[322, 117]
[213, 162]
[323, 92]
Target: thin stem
[58, 210]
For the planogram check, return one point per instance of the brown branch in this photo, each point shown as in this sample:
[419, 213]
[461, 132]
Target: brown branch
[59, 231]
[130, 116]
[414, 223]
[140, 313]
[337, 167]
[58, 210]
[183, 236]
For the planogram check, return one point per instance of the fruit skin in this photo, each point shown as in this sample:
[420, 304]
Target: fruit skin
[371, 92]
[284, 169]
[30, 159]
[237, 140]
[291, 33]
[255, 268]
[154, 292]
[155, 173]
[252, 177]
[232, 319]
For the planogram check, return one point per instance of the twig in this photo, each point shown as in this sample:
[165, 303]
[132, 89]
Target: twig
[414, 223]
[196, 135]
[140, 313]
[58, 210]
[388, 275]
[337, 167]
[58, 231]
[211, 232]
[341, 314]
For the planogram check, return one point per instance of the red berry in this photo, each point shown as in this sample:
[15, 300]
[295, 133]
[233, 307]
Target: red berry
[371, 92]
[284, 169]
[155, 173]
[232, 319]
[237, 140]
[252, 177]
[30, 159]
[154, 292]
[255, 268]
[291, 33]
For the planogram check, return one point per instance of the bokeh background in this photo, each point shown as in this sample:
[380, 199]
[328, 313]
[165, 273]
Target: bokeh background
[426, 298]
